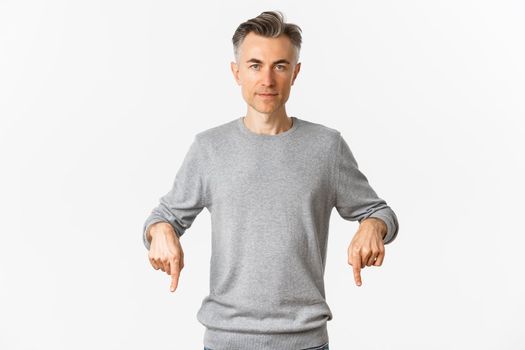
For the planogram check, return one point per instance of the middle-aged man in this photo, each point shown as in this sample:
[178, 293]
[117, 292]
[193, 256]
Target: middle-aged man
[270, 183]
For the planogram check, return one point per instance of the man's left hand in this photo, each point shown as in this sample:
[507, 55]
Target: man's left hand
[367, 248]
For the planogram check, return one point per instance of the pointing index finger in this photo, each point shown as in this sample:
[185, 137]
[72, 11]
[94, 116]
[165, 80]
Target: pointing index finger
[356, 265]
[175, 272]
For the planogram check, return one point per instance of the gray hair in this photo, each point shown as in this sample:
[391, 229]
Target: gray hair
[270, 24]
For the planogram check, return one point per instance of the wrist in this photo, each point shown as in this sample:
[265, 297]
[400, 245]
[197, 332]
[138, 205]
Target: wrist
[378, 223]
[160, 228]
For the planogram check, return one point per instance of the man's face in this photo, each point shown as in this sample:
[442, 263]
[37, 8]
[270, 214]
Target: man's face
[266, 66]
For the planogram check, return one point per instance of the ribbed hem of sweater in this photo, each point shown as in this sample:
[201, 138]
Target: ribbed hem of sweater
[230, 340]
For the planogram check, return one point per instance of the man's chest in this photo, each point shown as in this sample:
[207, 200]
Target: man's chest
[272, 175]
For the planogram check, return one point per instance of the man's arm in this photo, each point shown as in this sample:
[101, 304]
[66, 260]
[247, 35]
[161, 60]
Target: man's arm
[355, 199]
[187, 197]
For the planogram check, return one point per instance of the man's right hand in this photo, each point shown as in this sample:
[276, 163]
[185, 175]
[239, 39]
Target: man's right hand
[165, 251]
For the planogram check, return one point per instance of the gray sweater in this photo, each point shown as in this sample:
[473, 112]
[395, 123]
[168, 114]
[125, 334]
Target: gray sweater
[270, 198]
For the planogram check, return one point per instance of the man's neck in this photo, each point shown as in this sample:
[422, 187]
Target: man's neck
[267, 124]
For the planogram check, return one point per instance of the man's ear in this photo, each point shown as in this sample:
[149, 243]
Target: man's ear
[235, 70]
[296, 71]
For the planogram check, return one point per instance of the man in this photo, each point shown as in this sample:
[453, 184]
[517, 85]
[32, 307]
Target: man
[270, 183]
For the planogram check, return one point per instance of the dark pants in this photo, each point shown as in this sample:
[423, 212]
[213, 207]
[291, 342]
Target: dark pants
[322, 347]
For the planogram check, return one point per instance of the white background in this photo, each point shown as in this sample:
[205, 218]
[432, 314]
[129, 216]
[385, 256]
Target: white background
[100, 100]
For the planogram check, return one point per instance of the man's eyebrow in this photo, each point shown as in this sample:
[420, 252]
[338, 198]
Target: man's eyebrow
[255, 60]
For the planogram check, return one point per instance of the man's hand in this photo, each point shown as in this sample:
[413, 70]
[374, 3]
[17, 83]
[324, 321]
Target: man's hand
[165, 251]
[367, 248]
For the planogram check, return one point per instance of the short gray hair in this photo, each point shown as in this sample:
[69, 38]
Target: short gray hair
[270, 24]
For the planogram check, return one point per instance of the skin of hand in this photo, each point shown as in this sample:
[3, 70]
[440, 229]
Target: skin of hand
[165, 251]
[367, 248]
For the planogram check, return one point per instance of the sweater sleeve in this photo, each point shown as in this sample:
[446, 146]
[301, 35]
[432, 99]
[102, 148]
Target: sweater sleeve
[187, 197]
[355, 199]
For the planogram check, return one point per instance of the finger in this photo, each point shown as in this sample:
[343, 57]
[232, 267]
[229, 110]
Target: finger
[174, 283]
[356, 265]
[175, 273]
[154, 263]
[380, 257]
[168, 271]
[181, 259]
[373, 257]
[371, 261]
[365, 256]
[167, 267]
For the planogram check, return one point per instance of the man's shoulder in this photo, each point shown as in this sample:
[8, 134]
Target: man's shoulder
[320, 135]
[320, 128]
[216, 133]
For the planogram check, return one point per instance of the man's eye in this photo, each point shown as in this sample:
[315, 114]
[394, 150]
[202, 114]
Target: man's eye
[280, 66]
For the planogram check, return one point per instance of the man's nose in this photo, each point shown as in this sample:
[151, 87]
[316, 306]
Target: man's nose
[267, 77]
